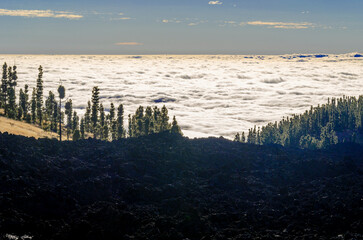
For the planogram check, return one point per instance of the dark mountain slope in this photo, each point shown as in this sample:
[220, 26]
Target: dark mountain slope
[169, 187]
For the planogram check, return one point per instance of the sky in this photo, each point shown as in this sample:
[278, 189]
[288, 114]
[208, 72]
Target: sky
[180, 26]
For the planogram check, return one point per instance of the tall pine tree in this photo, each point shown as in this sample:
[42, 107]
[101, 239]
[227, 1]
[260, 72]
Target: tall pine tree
[11, 106]
[120, 122]
[113, 123]
[4, 88]
[33, 106]
[102, 122]
[39, 96]
[61, 94]
[95, 109]
[164, 123]
[82, 128]
[23, 100]
[87, 117]
[69, 111]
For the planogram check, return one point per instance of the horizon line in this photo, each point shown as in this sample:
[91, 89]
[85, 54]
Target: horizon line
[183, 54]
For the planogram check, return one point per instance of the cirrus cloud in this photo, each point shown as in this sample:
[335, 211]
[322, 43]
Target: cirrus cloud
[39, 13]
[281, 25]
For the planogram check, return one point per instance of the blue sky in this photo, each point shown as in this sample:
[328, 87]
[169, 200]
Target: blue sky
[181, 26]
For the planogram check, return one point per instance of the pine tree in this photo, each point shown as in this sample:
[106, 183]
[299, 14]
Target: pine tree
[76, 135]
[4, 88]
[23, 102]
[112, 112]
[39, 96]
[148, 120]
[175, 127]
[105, 132]
[34, 106]
[243, 137]
[139, 117]
[11, 107]
[61, 93]
[164, 123]
[75, 127]
[102, 115]
[120, 122]
[113, 123]
[82, 128]
[20, 108]
[69, 111]
[54, 118]
[130, 127]
[19, 115]
[237, 138]
[258, 139]
[102, 121]
[156, 119]
[249, 136]
[14, 77]
[75, 122]
[95, 108]
[328, 136]
[87, 117]
[51, 112]
[49, 104]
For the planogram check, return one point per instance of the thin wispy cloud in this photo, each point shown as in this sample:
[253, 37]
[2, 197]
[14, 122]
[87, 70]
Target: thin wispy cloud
[128, 44]
[281, 25]
[215, 3]
[227, 23]
[187, 21]
[195, 23]
[39, 14]
[171, 21]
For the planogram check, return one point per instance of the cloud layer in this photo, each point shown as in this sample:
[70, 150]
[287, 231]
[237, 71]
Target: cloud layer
[39, 13]
[210, 95]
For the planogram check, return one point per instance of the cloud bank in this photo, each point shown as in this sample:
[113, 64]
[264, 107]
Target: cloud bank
[39, 13]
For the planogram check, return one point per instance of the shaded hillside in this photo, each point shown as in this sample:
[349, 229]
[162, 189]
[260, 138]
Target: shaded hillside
[164, 186]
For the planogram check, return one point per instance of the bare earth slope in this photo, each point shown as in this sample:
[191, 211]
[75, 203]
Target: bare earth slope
[25, 129]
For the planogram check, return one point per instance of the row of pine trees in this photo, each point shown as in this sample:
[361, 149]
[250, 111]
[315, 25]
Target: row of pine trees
[340, 120]
[95, 122]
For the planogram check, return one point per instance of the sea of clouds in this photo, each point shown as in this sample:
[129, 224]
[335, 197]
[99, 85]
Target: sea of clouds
[214, 95]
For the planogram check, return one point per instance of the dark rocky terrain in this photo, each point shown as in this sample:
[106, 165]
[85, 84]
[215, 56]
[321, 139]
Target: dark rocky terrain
[169, 187]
